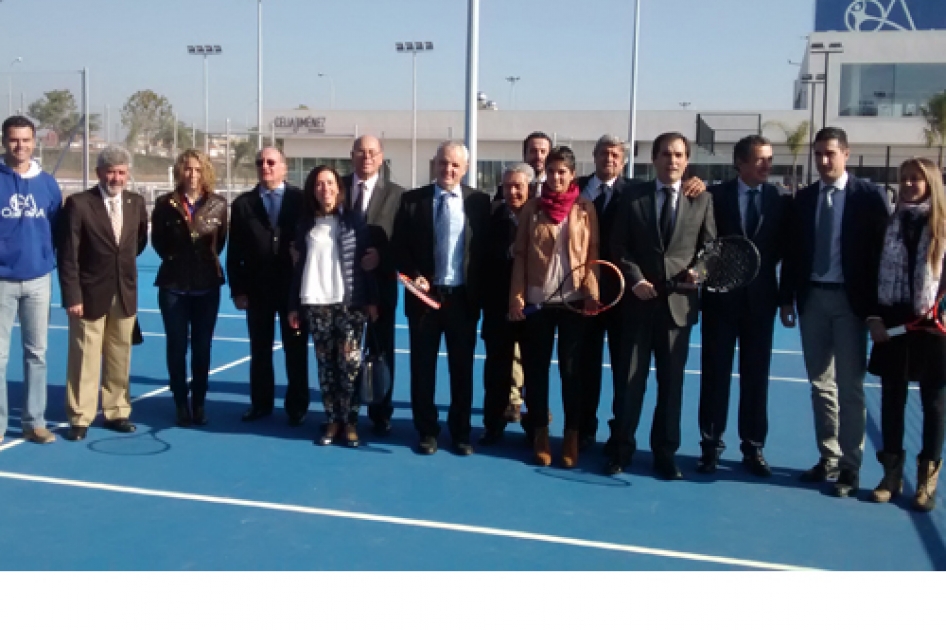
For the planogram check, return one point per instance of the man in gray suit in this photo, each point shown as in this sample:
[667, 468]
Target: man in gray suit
[656, 235]
[367, 192]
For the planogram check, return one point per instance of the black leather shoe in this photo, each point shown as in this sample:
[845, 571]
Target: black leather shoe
[757, 465]
[463, 447]
[513, 413]
[818, 473]
[253, 413]
[492, 437]
[585, 442]
[427, 445]
[199, 416]
[846, 485]
[122, 425]
[707, 465]
[77, 434]
[381, 427]
[667, 469]
[296, 418]
[613, 467]
[184, 416]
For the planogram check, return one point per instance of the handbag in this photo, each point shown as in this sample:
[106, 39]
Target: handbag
[375, 373]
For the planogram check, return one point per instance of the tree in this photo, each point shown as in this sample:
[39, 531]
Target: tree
[144, 115]
[797, 139]
[185, 136]
[935, 114]
[57, 110]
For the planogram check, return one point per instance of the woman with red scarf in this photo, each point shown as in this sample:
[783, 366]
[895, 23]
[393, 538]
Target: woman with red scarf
[558, 232]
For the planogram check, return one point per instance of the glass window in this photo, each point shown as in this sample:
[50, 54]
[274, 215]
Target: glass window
[889, 90]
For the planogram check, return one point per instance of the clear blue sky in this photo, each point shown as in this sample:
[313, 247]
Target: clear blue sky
[716, 54]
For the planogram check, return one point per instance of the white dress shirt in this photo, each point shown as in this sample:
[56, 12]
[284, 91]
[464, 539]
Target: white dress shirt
[835, 272]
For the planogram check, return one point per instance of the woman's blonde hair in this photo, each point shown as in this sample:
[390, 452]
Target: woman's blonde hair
[208, 177]
[937, 198]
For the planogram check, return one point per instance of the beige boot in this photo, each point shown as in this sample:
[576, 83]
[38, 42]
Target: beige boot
[892, 483]
[570, 449]
[927, 475]
[543, 451]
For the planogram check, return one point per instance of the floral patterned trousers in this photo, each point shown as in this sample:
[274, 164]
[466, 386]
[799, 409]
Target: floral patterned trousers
[337, 332]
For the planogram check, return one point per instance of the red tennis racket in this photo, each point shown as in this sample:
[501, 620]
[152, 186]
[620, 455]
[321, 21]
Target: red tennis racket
[930, 322]
[607, 275]
[418, 292]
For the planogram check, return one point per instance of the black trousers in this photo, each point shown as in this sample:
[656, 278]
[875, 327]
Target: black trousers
[189, 319]
[500, 336]
[380, 339]
[892, 414]
[261, 325]
[609, 322]
[721, 330]
[455, 322]
[649, 330]
[538, 339]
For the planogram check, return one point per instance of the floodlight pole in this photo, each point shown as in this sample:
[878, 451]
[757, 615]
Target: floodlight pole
[259, 75]
[85, 131]
[632, 123]
[413, 48]
[472, 73]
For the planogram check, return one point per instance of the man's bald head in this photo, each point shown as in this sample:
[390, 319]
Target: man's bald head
[367, 156]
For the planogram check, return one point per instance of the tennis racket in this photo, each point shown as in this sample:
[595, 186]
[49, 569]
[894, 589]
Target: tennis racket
[605, 273]
[724, 265]
[418, 292]
[930, 322]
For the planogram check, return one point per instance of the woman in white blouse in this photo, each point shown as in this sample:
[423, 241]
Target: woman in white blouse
[335, 295]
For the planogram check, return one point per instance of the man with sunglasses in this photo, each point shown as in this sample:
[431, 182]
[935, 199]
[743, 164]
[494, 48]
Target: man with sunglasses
[259, 265]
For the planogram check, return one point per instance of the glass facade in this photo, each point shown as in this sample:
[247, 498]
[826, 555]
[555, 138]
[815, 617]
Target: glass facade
[299, 168]
[889, 90]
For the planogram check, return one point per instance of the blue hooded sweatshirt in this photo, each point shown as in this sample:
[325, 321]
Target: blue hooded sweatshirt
[29, 204]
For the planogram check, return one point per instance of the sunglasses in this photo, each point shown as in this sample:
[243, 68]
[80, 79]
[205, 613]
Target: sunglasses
[270, 163]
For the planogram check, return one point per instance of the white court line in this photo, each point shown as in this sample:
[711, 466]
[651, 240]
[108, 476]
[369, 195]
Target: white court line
[410, 522]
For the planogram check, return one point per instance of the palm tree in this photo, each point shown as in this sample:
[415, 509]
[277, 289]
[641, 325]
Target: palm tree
[797, 140]
[935, 114]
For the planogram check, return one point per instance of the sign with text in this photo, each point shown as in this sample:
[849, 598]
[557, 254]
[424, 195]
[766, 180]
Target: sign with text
[880, 15]
[300, 124]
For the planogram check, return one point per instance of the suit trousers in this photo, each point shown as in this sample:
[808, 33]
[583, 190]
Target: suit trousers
[538, 339]
[380, 339]
[455, 322]
[99, 348]
[649, 330]
[720, 332]
[610, 322]
[261, 325]
[834, 342]
[501, 337]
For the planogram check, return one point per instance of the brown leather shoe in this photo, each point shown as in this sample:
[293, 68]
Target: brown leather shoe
[38, 436]
[351, 435]
[541, 446]
[570, 449]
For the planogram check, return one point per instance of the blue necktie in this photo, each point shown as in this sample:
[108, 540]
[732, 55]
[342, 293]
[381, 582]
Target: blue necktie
[824, 233]
[271, 208]
[752, 212]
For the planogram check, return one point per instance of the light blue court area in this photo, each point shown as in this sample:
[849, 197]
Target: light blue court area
[244, 496]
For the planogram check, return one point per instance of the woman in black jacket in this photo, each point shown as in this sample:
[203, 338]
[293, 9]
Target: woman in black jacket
[335, 295]
[188, 231]
[910, 282]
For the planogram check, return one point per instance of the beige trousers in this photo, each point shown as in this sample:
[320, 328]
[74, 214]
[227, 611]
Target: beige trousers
[99, 348]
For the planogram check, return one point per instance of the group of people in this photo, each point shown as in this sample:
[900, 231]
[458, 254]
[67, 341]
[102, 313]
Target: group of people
[323, 261]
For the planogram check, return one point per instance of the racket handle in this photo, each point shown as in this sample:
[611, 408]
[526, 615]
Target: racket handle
[530, 309]
[896, 331]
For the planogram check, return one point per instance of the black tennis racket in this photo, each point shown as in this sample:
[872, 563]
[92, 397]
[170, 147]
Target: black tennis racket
[606, 274]
[723, 265]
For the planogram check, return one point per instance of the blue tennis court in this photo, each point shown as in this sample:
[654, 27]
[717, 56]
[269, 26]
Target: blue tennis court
[261, 496]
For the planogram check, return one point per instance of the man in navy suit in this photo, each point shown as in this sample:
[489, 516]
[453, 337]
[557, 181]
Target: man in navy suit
[830, 274]
[745, 206]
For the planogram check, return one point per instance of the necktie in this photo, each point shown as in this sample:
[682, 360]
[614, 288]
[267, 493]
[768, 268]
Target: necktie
[442, 234]
[115, 215]
[752, 212]
[359, 203]
[666, 217]
[271, 207]
[602, 199]
[824, 233]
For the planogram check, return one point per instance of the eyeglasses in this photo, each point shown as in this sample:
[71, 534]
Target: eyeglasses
[367, 154]
[270, 163]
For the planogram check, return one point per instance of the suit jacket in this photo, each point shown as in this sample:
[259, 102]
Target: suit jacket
[638, 249]
[414, 241]
[258, 259]
[862, 235]
[761, 296]
[382, 208]
[498, 259]
[606, 218]
[93, 268]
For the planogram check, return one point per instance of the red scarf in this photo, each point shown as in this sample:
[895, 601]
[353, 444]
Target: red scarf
[558, 205]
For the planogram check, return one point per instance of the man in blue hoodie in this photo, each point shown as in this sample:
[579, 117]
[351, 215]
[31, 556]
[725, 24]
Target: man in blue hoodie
[29, 201]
